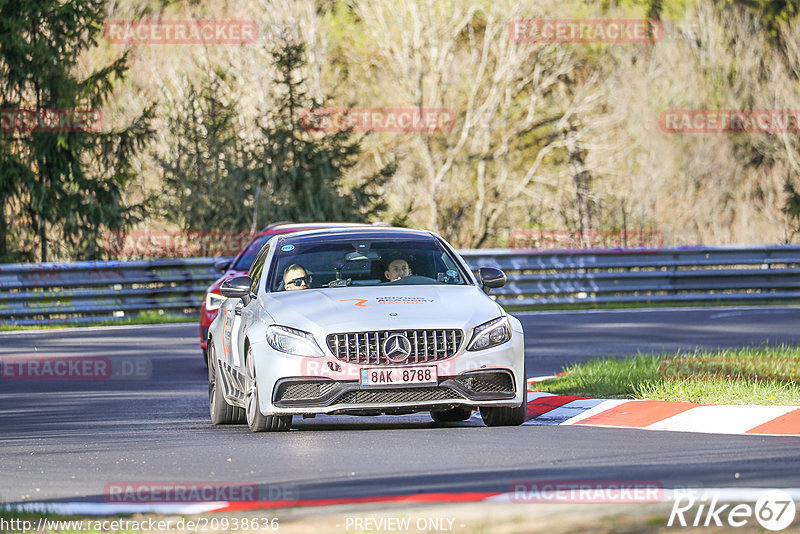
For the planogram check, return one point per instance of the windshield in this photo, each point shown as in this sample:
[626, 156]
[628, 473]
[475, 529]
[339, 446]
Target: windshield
[314, 264]
[246, 260]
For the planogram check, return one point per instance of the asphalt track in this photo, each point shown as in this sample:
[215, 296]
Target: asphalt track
[67, 440]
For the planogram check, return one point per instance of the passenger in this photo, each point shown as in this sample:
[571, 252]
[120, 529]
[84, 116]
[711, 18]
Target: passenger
[295, 277]
[397, 269]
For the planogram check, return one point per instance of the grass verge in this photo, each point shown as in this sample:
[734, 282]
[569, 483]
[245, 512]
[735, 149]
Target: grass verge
[146, 317]
[643, 377]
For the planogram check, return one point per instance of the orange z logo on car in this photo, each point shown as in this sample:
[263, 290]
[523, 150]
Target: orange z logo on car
[359, 303]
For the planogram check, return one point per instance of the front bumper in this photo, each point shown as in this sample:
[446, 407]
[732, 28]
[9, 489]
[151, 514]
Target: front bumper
[324, 385]
[472, 388]
[206, 318]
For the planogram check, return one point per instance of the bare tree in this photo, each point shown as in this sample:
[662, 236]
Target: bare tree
[512, 99]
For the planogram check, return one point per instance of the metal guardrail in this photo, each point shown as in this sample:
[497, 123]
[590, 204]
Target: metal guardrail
[88, 291]
[691, 274]
[91, 291]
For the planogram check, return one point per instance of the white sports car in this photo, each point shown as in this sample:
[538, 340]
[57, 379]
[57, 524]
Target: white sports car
[363, 321]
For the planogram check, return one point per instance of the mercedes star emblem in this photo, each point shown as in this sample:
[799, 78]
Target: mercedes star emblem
[397, 348]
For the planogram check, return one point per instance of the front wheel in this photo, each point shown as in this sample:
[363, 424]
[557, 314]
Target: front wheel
[515, 416]
[498, 416]
[256, 421]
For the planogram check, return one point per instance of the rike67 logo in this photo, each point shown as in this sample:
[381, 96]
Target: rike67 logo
[774, 510]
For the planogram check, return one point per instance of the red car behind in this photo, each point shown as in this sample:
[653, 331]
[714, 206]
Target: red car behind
[240, 265]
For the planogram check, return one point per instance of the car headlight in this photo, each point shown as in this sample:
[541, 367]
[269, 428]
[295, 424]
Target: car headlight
[291, 341]
[214, 301]
[495, 332]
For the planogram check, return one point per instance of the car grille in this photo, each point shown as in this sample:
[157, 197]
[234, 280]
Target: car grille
[389, 396]
[367, 347]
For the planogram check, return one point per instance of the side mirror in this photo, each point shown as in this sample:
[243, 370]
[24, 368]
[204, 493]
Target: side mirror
[222, 265]
[237, 288]
[490, 278]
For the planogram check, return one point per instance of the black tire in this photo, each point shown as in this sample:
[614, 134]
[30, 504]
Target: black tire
[256, 421]
[459, 413]
[222, 413]
[497, 416]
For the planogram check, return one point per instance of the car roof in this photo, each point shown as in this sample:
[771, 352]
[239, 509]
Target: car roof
[369, 232]
[286, 227]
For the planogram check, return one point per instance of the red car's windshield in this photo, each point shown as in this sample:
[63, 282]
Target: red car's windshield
[246, 259]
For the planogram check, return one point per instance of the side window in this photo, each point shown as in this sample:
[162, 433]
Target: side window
[258, 268]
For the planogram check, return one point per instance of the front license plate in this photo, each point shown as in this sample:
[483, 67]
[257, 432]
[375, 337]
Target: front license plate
[382, 376]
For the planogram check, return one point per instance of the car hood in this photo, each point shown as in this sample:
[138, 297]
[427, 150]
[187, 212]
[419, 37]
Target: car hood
[354, 309]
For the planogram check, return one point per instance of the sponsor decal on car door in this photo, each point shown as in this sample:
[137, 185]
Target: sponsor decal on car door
[236, 329]
[230, 334]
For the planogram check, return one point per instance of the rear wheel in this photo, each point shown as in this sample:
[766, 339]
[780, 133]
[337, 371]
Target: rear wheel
[256, 421]
[222, 413]
[459, 413]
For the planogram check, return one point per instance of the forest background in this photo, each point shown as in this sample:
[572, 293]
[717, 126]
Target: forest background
[553, 136]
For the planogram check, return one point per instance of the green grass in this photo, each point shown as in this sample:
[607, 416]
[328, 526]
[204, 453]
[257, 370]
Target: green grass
[153, 317]
[146, 317]
[640, 377]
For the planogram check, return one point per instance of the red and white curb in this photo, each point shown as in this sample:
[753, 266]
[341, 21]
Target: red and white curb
[102, 508]
[545, 493]
[549, 409]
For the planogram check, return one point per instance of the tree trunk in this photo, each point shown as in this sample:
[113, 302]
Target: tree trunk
[43, 239]
[655, 10]
[3, 231]
[582, 179]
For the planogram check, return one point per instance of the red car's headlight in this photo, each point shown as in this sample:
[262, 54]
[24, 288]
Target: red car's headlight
[214, 301]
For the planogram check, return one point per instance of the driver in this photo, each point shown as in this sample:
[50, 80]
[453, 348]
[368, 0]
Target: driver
[295, 277]
[397, 269]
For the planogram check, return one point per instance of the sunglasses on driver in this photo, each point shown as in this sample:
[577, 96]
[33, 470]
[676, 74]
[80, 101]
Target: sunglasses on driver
[302, 281]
